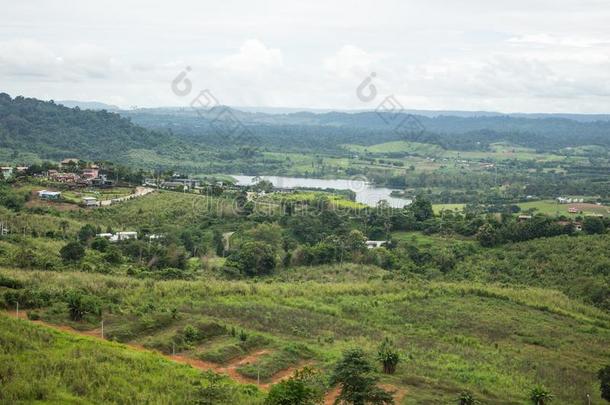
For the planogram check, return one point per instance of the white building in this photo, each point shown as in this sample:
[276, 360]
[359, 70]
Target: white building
[119, 236]
[90, 202]
[374, 244]
[7, 172]
[49, 195]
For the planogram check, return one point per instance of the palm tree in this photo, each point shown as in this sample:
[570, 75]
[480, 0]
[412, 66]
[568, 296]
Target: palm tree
[388, 356]
[540, 395]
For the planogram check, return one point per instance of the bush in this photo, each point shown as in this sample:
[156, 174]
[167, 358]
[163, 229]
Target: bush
[72, 252]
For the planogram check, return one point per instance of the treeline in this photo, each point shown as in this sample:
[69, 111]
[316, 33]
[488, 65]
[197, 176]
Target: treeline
[330, 130]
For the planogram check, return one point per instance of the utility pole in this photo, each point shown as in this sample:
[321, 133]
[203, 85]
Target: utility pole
[102, 328]
[17, 312]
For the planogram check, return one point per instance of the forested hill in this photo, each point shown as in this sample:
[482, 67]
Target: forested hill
[52, 131]
[332, 129]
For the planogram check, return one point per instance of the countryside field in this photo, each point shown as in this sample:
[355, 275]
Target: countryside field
[495, 341]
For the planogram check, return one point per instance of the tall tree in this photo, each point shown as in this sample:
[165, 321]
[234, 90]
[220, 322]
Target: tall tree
[354, 373]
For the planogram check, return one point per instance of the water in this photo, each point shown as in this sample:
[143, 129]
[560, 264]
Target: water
[365, 192]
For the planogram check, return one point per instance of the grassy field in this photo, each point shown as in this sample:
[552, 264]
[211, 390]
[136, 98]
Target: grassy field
[496, 341]
[451, 207]
[44, 366]
[551, 207]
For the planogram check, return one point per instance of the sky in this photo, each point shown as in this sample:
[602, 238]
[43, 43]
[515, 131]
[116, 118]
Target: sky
[502, 55]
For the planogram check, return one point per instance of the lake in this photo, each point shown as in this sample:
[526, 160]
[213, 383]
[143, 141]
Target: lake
[365, 192]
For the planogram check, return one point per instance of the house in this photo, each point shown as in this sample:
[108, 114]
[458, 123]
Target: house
[90, 202]
[126, 235]
[150, 182]
[63, 177]
[172, 185]
[573, 210]
[22, 169]
[91, 173]
[190, 183]
[374, 244]
[119, 236]
[563, 200]
[101, 181]
[49, 195]
[522, 218]
[7, 172]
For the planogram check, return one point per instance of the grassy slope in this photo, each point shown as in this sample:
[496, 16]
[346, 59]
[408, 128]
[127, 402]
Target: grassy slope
[548, 262]
[41, 365]
[497, 342]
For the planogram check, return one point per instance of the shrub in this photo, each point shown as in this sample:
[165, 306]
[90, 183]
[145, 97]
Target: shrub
[72, 252]
[540, 395]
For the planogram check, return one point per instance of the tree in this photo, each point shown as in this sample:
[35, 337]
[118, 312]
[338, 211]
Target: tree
[466, 398]
[81, 305]
[254, 258]
[540, 395]
[72, 252]
[354, 373]
[305, 387]
[593, 225]
[263, 185]
[604, 382]
[63, 225]
[86, 233]
[388, 356]
[219, 243]
[100, 244]
[488, 235]
[421, 208]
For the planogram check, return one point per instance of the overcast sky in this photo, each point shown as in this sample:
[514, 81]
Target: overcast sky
[502, 55]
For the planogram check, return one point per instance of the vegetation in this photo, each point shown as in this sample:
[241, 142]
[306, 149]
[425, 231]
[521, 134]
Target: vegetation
[485, 285]
[358, 386]
[44, 366]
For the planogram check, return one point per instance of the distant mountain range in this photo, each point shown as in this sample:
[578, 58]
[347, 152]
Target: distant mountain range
[88, 105]
[34, 128]
[96, 105]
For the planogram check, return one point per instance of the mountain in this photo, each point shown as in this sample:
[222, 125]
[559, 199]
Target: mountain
[463, 130]
[53, 131]
[88, 105]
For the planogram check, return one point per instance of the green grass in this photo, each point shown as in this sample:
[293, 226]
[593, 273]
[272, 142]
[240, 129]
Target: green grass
[270, 364]
[494, 340]
[551, 207]
[451, 207]
[44, 366]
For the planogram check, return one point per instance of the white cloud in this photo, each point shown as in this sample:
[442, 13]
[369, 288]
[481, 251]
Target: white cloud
[253, 56]
[350, 62]
[502, 55]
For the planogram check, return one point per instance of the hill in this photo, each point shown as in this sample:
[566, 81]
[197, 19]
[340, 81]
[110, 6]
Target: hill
[52, 131]
[331, 129]
[495, 341]
[41, 365]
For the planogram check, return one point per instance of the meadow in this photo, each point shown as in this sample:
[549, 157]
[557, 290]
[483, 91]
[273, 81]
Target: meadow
[497, 341]
[44, 366]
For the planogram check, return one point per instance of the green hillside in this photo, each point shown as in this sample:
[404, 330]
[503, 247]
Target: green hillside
[47, 130]
[494, 341]
[43, 366]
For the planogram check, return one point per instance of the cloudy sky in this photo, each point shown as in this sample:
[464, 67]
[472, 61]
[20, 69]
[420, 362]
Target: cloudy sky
[502, 55]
